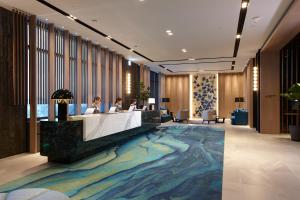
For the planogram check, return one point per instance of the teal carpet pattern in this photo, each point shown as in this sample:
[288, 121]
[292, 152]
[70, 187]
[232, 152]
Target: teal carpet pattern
[174, 162]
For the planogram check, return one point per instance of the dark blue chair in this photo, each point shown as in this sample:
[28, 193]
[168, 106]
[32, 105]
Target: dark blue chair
[239, 117]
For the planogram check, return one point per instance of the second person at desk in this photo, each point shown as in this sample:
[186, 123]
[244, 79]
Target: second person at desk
[118, 104]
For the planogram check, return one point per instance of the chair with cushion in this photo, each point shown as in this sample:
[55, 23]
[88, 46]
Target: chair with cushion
[209, 115]
[165, 115]
[239, 117]
[182, 115]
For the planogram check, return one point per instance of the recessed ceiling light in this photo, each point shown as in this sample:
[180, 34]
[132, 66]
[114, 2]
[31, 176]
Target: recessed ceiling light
[238, 36]
[141, 0]
[168, 31]
[131, 50]
[170, 34]
[244, 4]
[191, 59]
[94, 20]
[108, 37]
[71, 17]
[184, 50]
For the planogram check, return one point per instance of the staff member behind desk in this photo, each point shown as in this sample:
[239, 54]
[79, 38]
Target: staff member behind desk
[133, 104]
[118, 104]
[96, 104]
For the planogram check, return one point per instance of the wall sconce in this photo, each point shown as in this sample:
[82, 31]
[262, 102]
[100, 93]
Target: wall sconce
[128, 87]
[255, 78]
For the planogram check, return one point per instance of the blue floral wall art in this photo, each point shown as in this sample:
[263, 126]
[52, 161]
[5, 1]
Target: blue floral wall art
[204, 93]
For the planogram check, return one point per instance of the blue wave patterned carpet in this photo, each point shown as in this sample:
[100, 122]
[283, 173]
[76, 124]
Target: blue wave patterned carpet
[175, 162]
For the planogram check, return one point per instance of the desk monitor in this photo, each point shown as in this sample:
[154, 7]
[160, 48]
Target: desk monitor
[89, 111]
[112, 109]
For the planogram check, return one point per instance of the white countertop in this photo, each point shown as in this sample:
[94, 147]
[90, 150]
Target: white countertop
[100, 125]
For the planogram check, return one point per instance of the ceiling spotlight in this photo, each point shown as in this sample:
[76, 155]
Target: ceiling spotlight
[191, 59]
[244, 4]
[71, 17]
[141, 0]
[108, 37]
[170, 34]
[131, 50]
[184, 50]
[168, 31]
[238, 36]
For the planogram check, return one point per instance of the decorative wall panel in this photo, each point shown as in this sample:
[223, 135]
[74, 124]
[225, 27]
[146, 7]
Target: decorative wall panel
[204, 93]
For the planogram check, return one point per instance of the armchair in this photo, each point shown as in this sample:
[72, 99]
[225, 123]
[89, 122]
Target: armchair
[209, 115]
[182, 115]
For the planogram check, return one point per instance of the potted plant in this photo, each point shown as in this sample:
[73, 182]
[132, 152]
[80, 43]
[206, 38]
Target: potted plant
[144, 93]
[293, 94]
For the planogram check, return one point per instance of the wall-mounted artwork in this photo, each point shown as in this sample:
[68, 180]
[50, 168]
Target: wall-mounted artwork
[204, 93]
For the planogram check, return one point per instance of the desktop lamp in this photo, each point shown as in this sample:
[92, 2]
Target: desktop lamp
[151, 102]
[62, 97]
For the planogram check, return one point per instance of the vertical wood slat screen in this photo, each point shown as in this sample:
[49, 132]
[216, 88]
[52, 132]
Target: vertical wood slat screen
[20, 59]
[73, 65]
[59, 59]
[289, 75]
[42, 62]
[94, 70]
[84, 72]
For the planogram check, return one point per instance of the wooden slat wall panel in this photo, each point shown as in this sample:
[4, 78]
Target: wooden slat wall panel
[32, 85]
[67, 60]
[249, 91]
[79, 76]
[13, 82]
[51, 71]
[270, 92]
[99, 72]
[120, 76]
[90, 86]
[161, 88]
[114, 77]
[177, 89]
[231, 85]
[107, 81]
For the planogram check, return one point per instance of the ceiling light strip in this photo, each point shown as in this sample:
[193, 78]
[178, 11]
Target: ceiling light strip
[222, 61]
[178, 60]
[241, 22]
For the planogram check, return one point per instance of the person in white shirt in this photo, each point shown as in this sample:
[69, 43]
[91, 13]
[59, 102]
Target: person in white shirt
[97, 104]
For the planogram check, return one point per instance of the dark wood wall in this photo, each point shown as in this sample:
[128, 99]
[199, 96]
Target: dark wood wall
[13, 83]
[289, 75]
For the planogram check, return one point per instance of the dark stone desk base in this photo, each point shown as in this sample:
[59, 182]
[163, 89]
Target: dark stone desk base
[63, 141]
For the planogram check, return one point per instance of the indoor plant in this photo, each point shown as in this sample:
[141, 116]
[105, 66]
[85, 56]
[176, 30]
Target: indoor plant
[144, 93]
[293, 94]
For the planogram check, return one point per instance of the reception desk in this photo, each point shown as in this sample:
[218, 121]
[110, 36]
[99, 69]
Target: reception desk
[101, 125]
[84, 135]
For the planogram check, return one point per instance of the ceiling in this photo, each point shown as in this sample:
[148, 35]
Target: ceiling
[205, 28]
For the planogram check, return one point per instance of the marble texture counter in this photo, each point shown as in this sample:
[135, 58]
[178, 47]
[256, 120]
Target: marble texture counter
[66, 142]
[100, 125]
